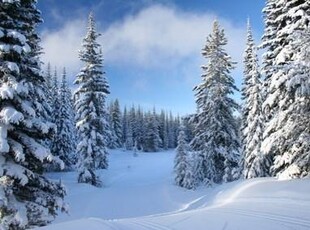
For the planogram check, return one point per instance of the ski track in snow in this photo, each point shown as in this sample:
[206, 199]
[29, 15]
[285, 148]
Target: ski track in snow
[149, 225]
[139, 195]
[269, 216]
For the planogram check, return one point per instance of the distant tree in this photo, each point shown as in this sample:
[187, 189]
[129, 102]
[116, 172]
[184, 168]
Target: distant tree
[124, 124]
[91, 113]
[182, 167]
[216, 143]
[255, 164]
[171, 131]
[129, 143]
[48, 84]
[28, 199]
[163, 131]
[152, 139]
[188, 127]
[139, 128]
[116, 125]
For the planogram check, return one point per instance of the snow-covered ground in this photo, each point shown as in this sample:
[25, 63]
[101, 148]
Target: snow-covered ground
[139, 194]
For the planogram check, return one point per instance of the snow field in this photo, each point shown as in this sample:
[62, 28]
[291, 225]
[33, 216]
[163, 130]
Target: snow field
[139, 193]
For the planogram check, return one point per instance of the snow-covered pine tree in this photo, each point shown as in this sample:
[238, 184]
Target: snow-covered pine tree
[90, 108]
[27, 198]
[162, 129]
[111, 134]
[176, 126]
[216, 143]
[48, 83]
[124, 125]
[182, 166]
[286, 103]
[64, 140]
[171, 131]
[116, 126]
[152, 139]
[71, 123]
[55, 98]
[254, 163]
[55, 118]
[139, 128]
[165, 139]
[129, 143]
[189, 127]
[133, 120]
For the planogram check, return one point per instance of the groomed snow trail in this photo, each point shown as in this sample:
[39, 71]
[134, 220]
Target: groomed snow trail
[139, 194]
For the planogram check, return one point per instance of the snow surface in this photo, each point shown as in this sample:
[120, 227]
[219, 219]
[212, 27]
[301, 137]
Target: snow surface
[139, 194]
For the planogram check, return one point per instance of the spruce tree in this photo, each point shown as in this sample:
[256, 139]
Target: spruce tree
[182, 167]
[286, 102]
[91, 113]
[124, 125]
[116, 126]
[216, 142]
[129, 143]
[48, 84]
[64, 140]
[254, 163]
[139, 128]
[152, 139]
[171, 132]
[27, 198]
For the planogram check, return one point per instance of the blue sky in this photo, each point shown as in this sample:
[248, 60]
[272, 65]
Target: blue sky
[152, 49]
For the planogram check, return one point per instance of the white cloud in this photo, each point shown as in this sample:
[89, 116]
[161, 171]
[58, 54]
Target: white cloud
[61, 47]
[158, 36]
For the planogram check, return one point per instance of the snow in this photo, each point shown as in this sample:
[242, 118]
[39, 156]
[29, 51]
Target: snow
[4, 48]
[139, 193]
[12, 66]
[4, 146]
[17, 35]
[10, 115]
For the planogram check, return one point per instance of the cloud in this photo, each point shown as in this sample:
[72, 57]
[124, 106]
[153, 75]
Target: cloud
[159, 34]
[157, 37]
[61, 46]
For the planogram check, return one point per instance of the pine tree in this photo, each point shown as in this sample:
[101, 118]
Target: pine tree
[91, 113]
[129, 143]
[182, 167]
[71, 123]
[55, 118]
[171, 132]
[55, 99]
[116, 126]
[139, 128]
[27, 197]
[286, 103]
[162, 129]
[152, 139]
[48, 84]
[189, 127]
[165, 139]
[124, 125]
[64, 140]
[255, 164]
[216, 142]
